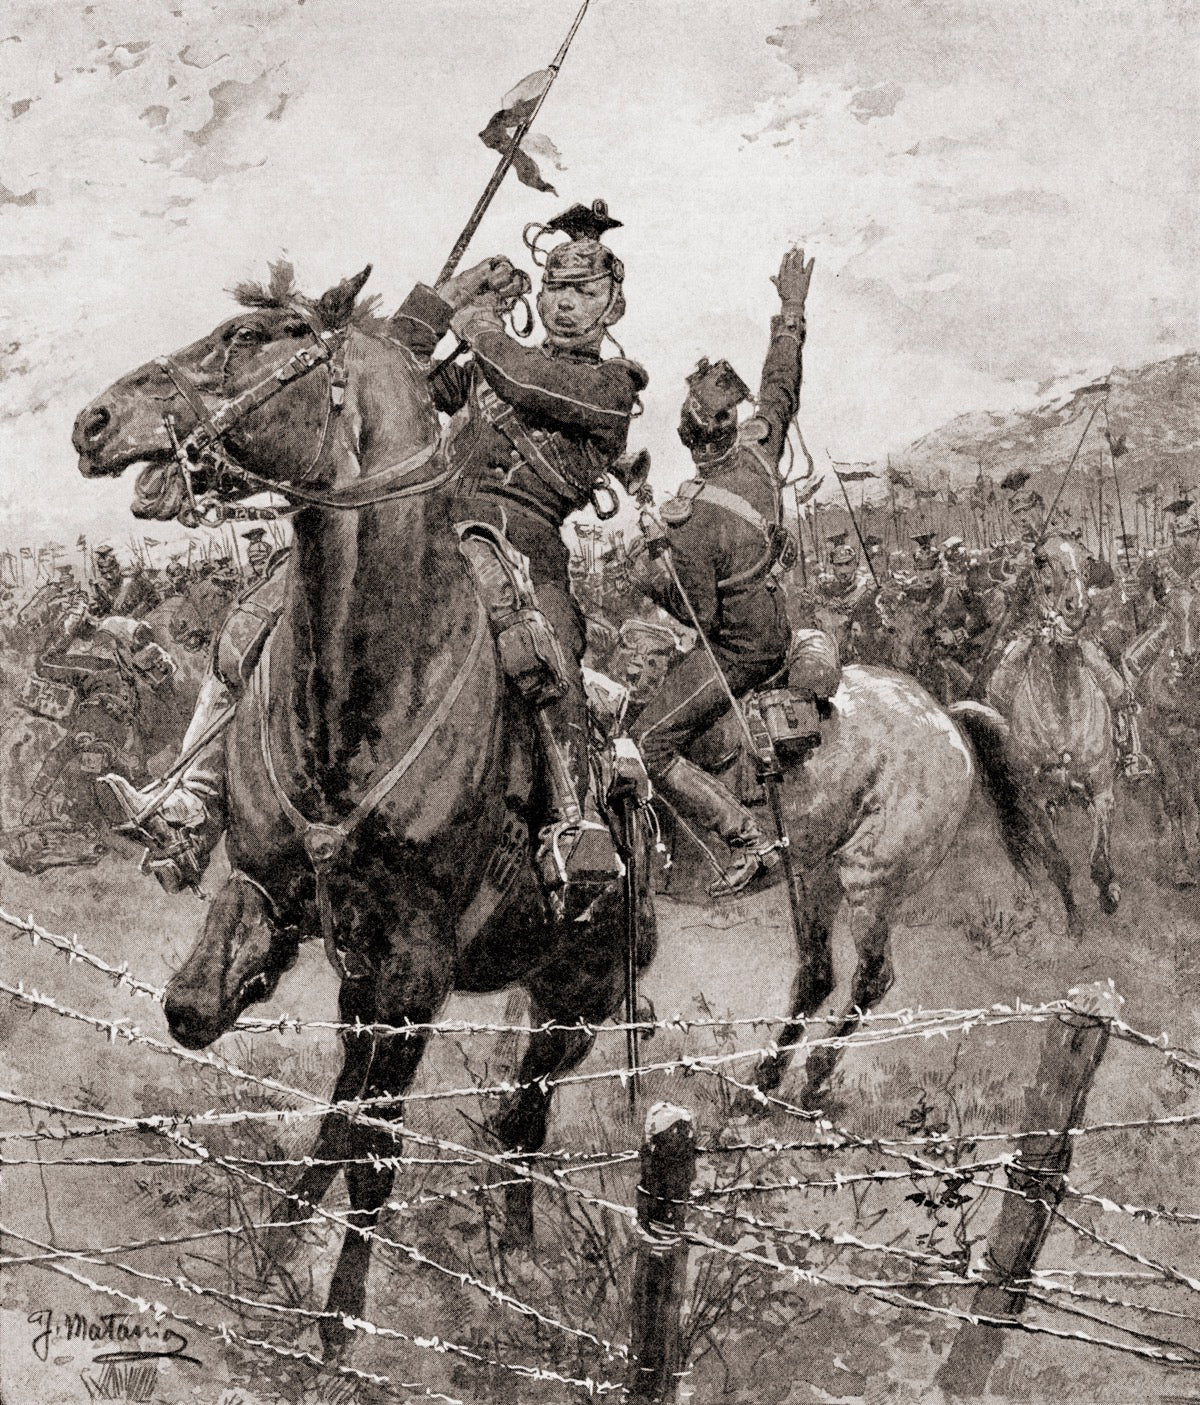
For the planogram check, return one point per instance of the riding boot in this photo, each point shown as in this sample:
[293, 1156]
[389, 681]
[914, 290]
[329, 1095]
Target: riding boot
[753, 853]
[576, 854]
[179, 820]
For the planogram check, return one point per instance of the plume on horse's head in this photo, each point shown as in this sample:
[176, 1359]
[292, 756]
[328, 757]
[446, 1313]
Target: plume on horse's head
[337, 307]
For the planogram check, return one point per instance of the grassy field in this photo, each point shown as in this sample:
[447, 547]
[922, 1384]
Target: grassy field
[754, 1334]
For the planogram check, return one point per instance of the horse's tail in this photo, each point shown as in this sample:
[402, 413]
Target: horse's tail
[1020, 818]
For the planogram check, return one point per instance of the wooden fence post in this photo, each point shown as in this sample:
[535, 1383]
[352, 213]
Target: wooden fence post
[668, 1166]
[1057, 1099]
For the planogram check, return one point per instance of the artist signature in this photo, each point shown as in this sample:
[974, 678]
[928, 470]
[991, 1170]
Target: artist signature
[129, 1338]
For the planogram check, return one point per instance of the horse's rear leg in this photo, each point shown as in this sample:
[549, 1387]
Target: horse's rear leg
[520, 1122]
[1058, 868]
[1103, 803]
[821, 896]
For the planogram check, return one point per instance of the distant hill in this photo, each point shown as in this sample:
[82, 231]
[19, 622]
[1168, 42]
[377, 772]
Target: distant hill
[1155, 409]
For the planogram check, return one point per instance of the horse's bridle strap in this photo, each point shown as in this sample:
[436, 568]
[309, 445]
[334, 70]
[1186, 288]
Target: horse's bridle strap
[212, 426]
[385, 486]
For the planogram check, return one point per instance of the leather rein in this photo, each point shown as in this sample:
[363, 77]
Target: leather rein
[204, 445]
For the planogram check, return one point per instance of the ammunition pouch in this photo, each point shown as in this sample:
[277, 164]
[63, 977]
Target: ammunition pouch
[530, 653]
[789, 724]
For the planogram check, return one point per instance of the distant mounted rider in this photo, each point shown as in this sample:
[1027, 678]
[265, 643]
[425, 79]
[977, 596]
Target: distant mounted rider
[536, 432]
[725, 534]
[838, 595]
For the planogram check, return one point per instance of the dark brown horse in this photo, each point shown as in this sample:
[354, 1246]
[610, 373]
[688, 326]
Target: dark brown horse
[378, 742]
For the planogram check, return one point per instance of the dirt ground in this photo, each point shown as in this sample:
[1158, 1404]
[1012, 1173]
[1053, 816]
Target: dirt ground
[753, 1333]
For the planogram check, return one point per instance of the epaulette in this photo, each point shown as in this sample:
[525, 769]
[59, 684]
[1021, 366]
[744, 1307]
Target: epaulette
[637, 372]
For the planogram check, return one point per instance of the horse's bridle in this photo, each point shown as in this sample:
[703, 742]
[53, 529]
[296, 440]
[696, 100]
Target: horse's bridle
[204, 445]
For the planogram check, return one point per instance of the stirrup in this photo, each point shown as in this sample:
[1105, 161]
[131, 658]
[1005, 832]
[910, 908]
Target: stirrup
[573, 854]
[751, 866]
[1136, 766]
[171, 856]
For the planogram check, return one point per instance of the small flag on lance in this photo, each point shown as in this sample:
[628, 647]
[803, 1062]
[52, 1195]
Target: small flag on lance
[516, 110]
[1116, 443]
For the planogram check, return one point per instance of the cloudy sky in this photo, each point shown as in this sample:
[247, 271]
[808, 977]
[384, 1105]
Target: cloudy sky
[1001, 195]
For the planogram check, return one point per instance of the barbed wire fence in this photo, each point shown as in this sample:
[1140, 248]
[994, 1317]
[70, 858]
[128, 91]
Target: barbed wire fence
[681, 1223]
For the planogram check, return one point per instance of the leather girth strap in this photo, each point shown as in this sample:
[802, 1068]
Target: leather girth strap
[323, 843]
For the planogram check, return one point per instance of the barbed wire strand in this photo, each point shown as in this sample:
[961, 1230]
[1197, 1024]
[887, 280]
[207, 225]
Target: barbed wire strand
[439, 1344]
[231, 1336]
[883, 1293]
[74, 950]
[159, 1241]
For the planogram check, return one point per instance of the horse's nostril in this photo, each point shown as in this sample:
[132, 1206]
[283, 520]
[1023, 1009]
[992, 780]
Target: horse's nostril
[95, 422]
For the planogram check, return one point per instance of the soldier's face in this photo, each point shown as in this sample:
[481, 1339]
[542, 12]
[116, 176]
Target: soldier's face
[572, 310]
[845, 575]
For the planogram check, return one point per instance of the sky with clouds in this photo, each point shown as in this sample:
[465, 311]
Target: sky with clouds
[1000, 194]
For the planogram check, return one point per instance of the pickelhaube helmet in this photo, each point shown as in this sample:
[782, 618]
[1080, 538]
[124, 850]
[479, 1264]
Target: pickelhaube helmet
[716, 388]
[583, 258]
[841, 552]
[925, 558]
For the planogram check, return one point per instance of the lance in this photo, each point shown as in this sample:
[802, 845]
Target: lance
[800, 537]
[1120, 504]
[854, 523]
[519, 135]
[1049, 517]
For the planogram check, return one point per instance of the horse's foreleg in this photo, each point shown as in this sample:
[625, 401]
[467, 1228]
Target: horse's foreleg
[412, 985]
[873, 977]
[520, 1122]
[1109, 890]
[337, 1134]
[821, 895]
[1058, 868]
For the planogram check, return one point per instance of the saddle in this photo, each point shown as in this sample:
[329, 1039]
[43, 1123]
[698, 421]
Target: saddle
[784, 717]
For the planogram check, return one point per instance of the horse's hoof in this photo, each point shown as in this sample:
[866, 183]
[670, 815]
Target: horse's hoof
[1110, 899]
[335, 1338]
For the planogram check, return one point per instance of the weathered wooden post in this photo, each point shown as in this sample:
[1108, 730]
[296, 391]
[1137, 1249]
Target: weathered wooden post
[667, 1168]
[1055, 1101]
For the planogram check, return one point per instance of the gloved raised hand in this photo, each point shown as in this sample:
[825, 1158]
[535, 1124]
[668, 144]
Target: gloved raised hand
[793, 278]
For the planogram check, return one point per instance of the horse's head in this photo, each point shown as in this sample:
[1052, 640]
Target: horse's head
[1061, 576]
[238, 960]
[245, 388]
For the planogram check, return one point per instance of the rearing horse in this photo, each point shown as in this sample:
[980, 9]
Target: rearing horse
[1060, 719]
[378, 767]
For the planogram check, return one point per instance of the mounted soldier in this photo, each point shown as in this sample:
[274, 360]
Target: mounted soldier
[533, 434]
[839, 592]
[725, 534]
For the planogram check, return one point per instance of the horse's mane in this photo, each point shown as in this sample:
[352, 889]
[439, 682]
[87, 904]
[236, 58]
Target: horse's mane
[280, 291]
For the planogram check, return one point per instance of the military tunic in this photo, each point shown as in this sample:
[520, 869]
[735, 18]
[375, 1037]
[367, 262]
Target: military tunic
[724, 564]
[533, 429]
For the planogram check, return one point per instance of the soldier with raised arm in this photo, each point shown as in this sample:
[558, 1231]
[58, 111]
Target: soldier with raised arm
[725, 533]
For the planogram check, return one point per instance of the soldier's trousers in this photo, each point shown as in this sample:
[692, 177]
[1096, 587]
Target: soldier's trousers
[690, 700]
